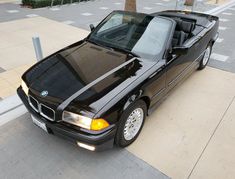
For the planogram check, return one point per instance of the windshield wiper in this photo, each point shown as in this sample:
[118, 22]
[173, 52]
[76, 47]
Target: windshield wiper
[125, 50]
[112, 47]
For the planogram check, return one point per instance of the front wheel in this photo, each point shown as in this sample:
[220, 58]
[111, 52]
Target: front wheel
[205, 58]
[131, 123]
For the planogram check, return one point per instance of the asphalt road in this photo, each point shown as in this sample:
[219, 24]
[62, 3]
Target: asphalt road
[28, 152]
[83, 14]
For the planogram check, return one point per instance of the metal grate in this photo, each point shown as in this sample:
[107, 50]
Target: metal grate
[42, 109]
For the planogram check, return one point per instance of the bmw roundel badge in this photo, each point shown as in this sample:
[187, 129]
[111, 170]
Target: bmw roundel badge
[44, 93]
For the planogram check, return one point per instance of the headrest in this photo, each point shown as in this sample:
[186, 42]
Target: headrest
[187, 26]
[183, 25]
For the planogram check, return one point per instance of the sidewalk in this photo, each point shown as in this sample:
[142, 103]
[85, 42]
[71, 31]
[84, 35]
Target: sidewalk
[16, 48]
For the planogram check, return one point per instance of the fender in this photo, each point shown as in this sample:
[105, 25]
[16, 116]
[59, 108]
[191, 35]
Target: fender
[132, 99]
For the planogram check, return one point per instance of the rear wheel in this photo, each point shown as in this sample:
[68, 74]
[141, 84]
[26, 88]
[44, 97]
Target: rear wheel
[131, 123]
[206, 57]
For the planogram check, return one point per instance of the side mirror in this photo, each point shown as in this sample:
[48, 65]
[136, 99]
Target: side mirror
[179, 50]
[92, 27]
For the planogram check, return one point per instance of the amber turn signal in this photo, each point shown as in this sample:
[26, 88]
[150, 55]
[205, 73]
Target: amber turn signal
[98, 124]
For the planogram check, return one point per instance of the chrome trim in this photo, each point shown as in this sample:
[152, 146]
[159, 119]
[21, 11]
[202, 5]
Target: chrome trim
[44, 115]
[30, 103]
[39, 108]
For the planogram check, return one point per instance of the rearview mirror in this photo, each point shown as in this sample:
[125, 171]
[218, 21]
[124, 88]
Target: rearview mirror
[179, 50]
[92, 27]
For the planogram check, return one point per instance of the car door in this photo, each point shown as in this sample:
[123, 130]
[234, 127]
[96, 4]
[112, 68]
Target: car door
[178, 65]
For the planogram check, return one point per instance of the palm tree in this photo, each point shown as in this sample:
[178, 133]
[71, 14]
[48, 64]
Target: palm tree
[130, 5]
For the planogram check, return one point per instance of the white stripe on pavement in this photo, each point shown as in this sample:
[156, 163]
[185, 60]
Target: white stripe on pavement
[227, 13]
[147, 8]
[32, 15]
[54, 9]
[12, 11]
[222, 28]
[223, 20]
[219, 57]
[104, 8]
[221, 8]
[87, 14]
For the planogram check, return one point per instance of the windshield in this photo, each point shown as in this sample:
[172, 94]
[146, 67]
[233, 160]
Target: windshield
[139, 34]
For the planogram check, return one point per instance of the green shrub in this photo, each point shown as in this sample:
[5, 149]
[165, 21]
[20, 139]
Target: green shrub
[44, 3]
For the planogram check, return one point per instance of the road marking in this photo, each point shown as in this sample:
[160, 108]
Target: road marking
[222, 28]
[219, 57]
[219, 40]
[117, 3]
[223, 20]
[54, 9]
[104, 8]
[32, 15]
[166, 0]
[87, 14]
[12, 11]
[147, 8]
[159, 3]
[227, 13]
[68, 22]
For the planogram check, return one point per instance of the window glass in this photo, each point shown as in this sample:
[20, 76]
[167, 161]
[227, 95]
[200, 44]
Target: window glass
[141, 34]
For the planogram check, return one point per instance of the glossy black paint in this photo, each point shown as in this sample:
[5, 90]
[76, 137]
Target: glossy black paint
[73, 68]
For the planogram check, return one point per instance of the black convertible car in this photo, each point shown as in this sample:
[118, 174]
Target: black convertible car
[98, 91]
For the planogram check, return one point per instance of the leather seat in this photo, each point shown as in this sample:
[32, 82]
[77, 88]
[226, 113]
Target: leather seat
[182, 32]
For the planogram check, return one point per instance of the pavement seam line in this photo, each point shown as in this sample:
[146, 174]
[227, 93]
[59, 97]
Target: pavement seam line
[213, 133]
[10, 109]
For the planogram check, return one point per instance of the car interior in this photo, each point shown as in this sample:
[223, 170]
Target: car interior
[183, 31]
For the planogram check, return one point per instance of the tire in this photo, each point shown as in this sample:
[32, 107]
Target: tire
[206, 57]
[131, 123]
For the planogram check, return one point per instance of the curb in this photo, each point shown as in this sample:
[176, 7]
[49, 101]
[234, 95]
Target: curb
[10, 108]
[221, 8]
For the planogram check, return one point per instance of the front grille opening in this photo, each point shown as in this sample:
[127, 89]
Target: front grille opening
[47, 112]
[33, 102]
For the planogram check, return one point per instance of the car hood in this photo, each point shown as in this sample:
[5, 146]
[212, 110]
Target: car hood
[77, 67]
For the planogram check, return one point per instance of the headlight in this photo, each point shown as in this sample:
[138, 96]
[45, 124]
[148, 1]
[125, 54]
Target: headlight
[84, 122]
[24, 87]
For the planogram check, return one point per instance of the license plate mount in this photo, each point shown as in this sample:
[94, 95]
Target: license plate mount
[39, 123]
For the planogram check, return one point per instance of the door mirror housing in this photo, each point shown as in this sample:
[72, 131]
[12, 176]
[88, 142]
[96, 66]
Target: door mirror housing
[179, 50]
[92, 27]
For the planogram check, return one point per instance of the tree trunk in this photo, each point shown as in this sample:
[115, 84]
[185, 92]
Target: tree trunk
[130, 5]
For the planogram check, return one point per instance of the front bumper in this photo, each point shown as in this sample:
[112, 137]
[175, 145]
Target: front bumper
[100, 141]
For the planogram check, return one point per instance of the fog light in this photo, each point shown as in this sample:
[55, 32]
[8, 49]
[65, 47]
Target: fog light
[85, 146]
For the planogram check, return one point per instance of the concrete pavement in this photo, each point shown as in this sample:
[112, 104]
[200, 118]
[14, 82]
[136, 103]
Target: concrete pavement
[17, 51]
[179, 131]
